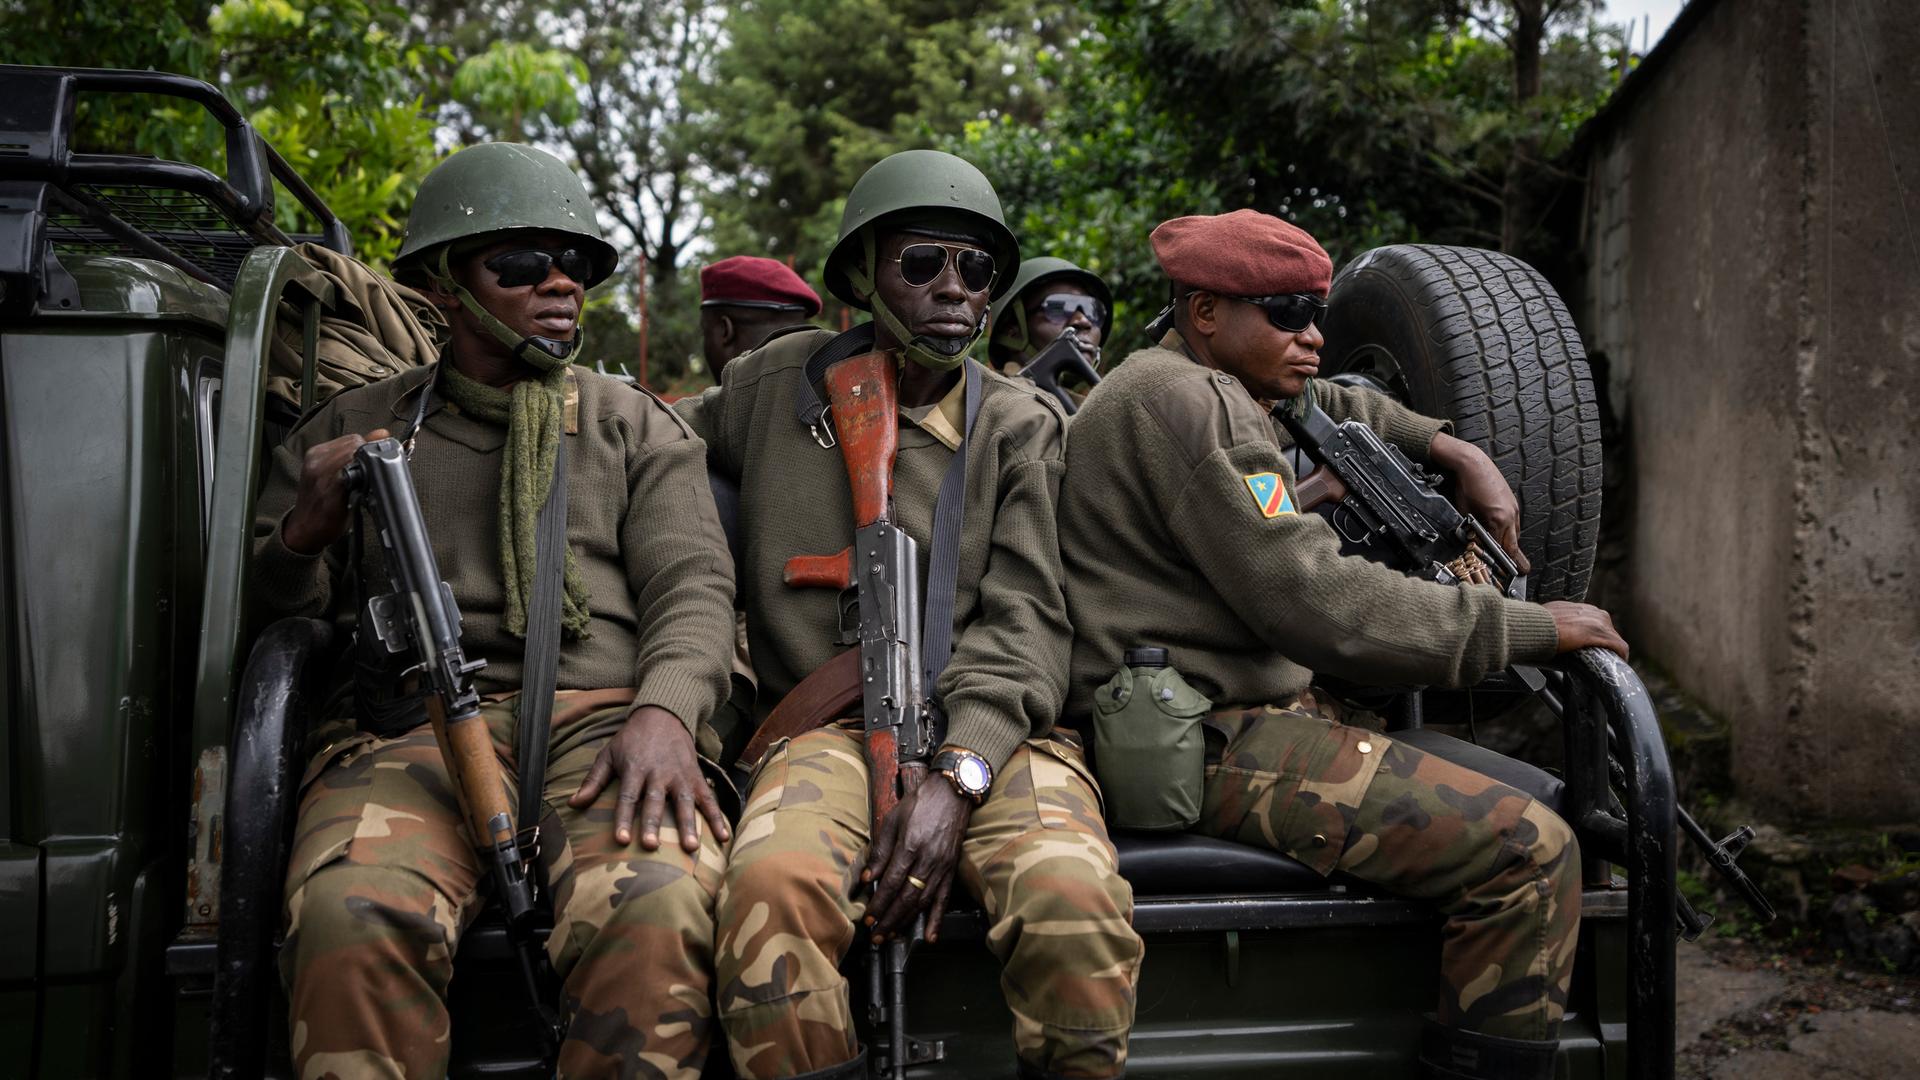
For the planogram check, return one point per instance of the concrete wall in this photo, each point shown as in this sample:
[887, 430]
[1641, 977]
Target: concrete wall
[1753, 279]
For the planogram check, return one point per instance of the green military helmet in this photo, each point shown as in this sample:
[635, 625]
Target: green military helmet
[930, 183]
[1044, 269]
[497, 187]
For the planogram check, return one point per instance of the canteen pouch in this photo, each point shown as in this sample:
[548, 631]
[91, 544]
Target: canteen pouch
[1149, 746]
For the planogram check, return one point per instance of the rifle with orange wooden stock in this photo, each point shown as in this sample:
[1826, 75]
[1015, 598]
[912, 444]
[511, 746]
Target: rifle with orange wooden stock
[883, 674]
[420, 620]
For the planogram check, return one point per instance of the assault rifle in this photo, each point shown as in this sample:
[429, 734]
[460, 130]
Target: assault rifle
[1387, 507]
[881, 569]
[420, 619]
[1062, 355]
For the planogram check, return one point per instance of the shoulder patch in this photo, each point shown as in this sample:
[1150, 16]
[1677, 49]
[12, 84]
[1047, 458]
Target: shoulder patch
[1269, 494]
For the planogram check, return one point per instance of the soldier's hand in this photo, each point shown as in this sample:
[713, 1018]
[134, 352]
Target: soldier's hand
[1582, 625]
[921, 840]
[654, 759]
[1482, 492]
[319, 515]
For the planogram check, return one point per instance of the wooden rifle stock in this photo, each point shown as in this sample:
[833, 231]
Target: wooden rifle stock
[467, 747]
[863, 393]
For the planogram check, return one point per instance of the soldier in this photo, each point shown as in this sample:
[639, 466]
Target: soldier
[743, 300]
[1015, 813]
[382, 877]
[1049, 295]
[1178, 530]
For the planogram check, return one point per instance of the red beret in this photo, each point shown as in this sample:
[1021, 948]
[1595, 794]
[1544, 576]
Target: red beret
[1245, 253]
[750, 281]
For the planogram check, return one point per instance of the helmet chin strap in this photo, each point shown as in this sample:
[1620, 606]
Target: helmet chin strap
[543, 354]
[919, 348]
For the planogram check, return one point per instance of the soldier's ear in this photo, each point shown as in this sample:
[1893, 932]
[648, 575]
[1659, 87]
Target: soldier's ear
[439, 291]
[727, 330]
[1203, 313]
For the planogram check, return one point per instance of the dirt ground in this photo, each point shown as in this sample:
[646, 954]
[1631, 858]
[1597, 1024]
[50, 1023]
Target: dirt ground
[1746, 1013]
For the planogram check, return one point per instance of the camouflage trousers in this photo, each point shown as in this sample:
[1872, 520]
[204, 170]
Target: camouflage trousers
[1504, 869]
[1036, 856]
[383, 878]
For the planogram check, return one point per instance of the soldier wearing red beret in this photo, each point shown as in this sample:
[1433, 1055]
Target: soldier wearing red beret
[1178, 529]
[744, 300]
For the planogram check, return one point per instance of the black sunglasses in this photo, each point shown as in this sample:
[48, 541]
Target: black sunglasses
[530, 267]
[921, 264]
[1063, 306]
[1292, 312]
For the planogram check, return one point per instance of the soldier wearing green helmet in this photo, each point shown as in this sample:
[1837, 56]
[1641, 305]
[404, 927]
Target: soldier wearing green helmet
[1016, 818]
[383, 878]
[1052, 301]
[1048, 297]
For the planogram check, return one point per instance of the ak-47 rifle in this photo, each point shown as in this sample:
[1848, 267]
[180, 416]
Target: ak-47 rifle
[420, 619]
[1062, 354]
[882, 569]
[1387, 507]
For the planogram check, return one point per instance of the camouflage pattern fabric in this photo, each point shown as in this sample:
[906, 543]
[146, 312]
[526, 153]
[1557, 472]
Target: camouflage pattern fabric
[1036, 855]
[383, 879]
[1504, 869]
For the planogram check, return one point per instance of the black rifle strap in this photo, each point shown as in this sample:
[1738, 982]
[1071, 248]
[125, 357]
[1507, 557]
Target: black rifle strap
[943, 563]
[539, 670]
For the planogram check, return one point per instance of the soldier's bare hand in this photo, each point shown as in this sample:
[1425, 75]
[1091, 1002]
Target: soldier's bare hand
[319, 515]
[1482, 492]
[654, 759]
[919, 840]
[1583, 625]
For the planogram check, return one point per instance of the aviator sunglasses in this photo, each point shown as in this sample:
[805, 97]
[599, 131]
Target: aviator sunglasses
[1063, 306]
[1292, 312]
[921, 264]
[530, 267]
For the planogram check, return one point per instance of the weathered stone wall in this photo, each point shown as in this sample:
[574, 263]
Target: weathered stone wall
[1753, 281]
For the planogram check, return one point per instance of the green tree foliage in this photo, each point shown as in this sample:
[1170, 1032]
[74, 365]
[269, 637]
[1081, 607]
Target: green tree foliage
[809, 93]
[513, 81]
[1364, 122]
[327, 83]
[740, 127]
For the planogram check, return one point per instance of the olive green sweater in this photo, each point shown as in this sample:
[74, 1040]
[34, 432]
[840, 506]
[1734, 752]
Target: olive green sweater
[640, 520]
[1165, 543]
[1007, 675]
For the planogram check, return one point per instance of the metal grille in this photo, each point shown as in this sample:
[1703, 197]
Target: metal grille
[184, 223]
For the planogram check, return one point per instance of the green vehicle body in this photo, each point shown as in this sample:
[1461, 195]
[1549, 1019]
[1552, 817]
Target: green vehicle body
[135, 421]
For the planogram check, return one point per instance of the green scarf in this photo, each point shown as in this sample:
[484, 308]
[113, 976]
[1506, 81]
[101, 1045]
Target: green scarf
[531, 413]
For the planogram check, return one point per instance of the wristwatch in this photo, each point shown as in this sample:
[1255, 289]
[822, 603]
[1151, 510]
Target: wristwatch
[967, 771]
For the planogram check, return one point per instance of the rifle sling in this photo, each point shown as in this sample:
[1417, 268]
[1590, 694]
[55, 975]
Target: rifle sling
[828, 693]
[540, 667]
[943, 562]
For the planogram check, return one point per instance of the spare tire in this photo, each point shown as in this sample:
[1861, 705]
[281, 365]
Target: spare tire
[1481, 339]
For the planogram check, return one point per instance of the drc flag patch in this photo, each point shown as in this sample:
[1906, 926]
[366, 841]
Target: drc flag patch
[1269, 494]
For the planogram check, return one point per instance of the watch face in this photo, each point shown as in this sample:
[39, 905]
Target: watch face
[972, 774]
